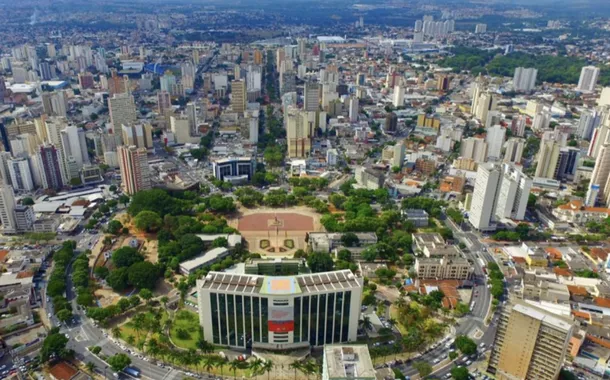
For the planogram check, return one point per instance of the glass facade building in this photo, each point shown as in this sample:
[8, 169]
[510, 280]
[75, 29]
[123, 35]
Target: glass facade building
[240, 310]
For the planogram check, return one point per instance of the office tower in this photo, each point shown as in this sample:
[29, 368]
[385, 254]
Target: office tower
[4, 137]
[135, 174]
[398, 99]
[70, 143]
[164, 102]
[299, 131]
[85, 81]
[442, 82]
[530, 343]
[524, 79]
[45, 71]
[311, 96]
[7, 209]
[588, 79]
[548, 156]
[480, 28]
[254, 78]
[567, 163]
[167, 81]
[353, 109]
[122, 110]
[234, 169]
[191, 114]
[181, 129]
[238, 96]
[399, 154]
[513, 193]
[601, 171]
[484, 196]
[474, 148]
[513, 152]
[21, 175]
[589, 120]
[50, 166]
[5, 157]
[495, 141]
[591, 197]
[486, 102]
[391, 122]
[138, 135]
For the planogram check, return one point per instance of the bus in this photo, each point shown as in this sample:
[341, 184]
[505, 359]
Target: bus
[132, 371]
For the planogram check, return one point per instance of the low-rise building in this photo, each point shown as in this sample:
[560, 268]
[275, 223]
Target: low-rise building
[444, 268]
[369, 178]
[575, 212]
[208, 258]
[347, 362]
[418, 217]
[327, 241]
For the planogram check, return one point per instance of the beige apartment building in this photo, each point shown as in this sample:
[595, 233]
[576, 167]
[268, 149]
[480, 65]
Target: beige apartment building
[443, 269]
[135, 175]
[530, 343]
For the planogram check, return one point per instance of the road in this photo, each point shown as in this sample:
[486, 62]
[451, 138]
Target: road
[473, 322]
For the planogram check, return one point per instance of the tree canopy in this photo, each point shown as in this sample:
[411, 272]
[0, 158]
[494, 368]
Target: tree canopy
[126, 256]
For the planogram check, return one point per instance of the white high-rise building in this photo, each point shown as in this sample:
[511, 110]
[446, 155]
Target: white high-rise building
[399, 96]
[542, 121]
[484, 196]
[485, 103]
[495, 141]
[548, 156]
[7, 209]
[524, 79]
[480, 28]
[589, 120]
[513, 150]
[21, 175]
[474, 148]
[122, 110]
[353, 109]
[588, 79]
[71, 144]
[601, 172]
[493, 118]
[514, 193]
[399, 154]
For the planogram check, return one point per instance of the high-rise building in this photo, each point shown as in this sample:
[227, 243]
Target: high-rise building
[513, 193]
[85, 81]
[45, 71]
[530, 343]
[567, 163]
[391, 122]
[589, 120]
[486, 102]
[311, 96]
[50, 166]
[592, 195]
[70, 143]
[21, 175]
[191, 114]
[548, 156]
[474, 148]
[601, 172]
[442, 82]
[299, 131]
[353, 109]
[542, 121]
[4, 137]
[398, 99]
[181, 129]
[234, 169]
[238, 96]
[7, 209]
[480, 28]
[399, 154]
[5, 157]
[484, 196]
[135, 175]
[138, 135]
[513, 150]
[55, 103]
[122, 110]
[164, 101]
[524, 79]
[588, 79]
[495, 140]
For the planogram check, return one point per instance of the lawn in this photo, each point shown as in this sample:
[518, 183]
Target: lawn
[127, 329]
[184, 330]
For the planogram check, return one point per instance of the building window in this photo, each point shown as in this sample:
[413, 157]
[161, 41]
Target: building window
[297, 319]
[222, 304]
[346, 311]
[264, 319]
[330, 313]
[248, 318]
[214, 310]
[338, 318]
[313, 320]
[239, 321]
[305, 323]
[256, 319]
[231, 317]
[321, 320]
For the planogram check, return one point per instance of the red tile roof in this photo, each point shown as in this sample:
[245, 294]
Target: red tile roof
[63, 371]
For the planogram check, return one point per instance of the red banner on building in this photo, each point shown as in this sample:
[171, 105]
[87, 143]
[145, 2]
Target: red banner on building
[284, 326]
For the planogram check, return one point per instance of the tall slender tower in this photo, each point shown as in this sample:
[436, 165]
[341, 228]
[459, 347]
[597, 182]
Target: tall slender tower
[135, 174]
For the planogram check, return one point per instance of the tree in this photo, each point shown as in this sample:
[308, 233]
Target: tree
[64, 315]
[143, 275]
[118, 362]
[27, 201]
[118, 279]
[365, 323]
[350, 239]
[460, 373]
[466, 345]
[220, 242]
[91, 367]
[320, 262]
[114, 227]
[124, 199]
[54, 346]
[423, 368]
[267, 367]
[113, 188]
[461, 309]
[101, 272]
[148, 221]
[126, 257]
[146, 294]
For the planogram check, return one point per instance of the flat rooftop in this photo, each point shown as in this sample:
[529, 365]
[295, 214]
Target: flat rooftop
[348, 362]
[540, 315]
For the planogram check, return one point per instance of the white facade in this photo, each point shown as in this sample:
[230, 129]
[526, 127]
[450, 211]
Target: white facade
[495, 141]
[588, 79]
[21, 175]
[524, 79]
[513, 150]
[353, 109]
[589, 120]
[7, 209]
[484, 196]
[474, 148]
[514, 193]
[398, 99]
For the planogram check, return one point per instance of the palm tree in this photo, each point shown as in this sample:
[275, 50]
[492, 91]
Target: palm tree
[138, 323]
[255, 366]
[365, 323]
[131, 339]
[234, 365]
[296, 365]
[91, 367]
[221, 362]
[268, 367]
[310, 368]
[152, 348]
[116, 332]
[208, 362]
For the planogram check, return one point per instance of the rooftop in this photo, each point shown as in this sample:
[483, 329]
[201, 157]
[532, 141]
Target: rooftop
[540, 315]
[348, 362]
